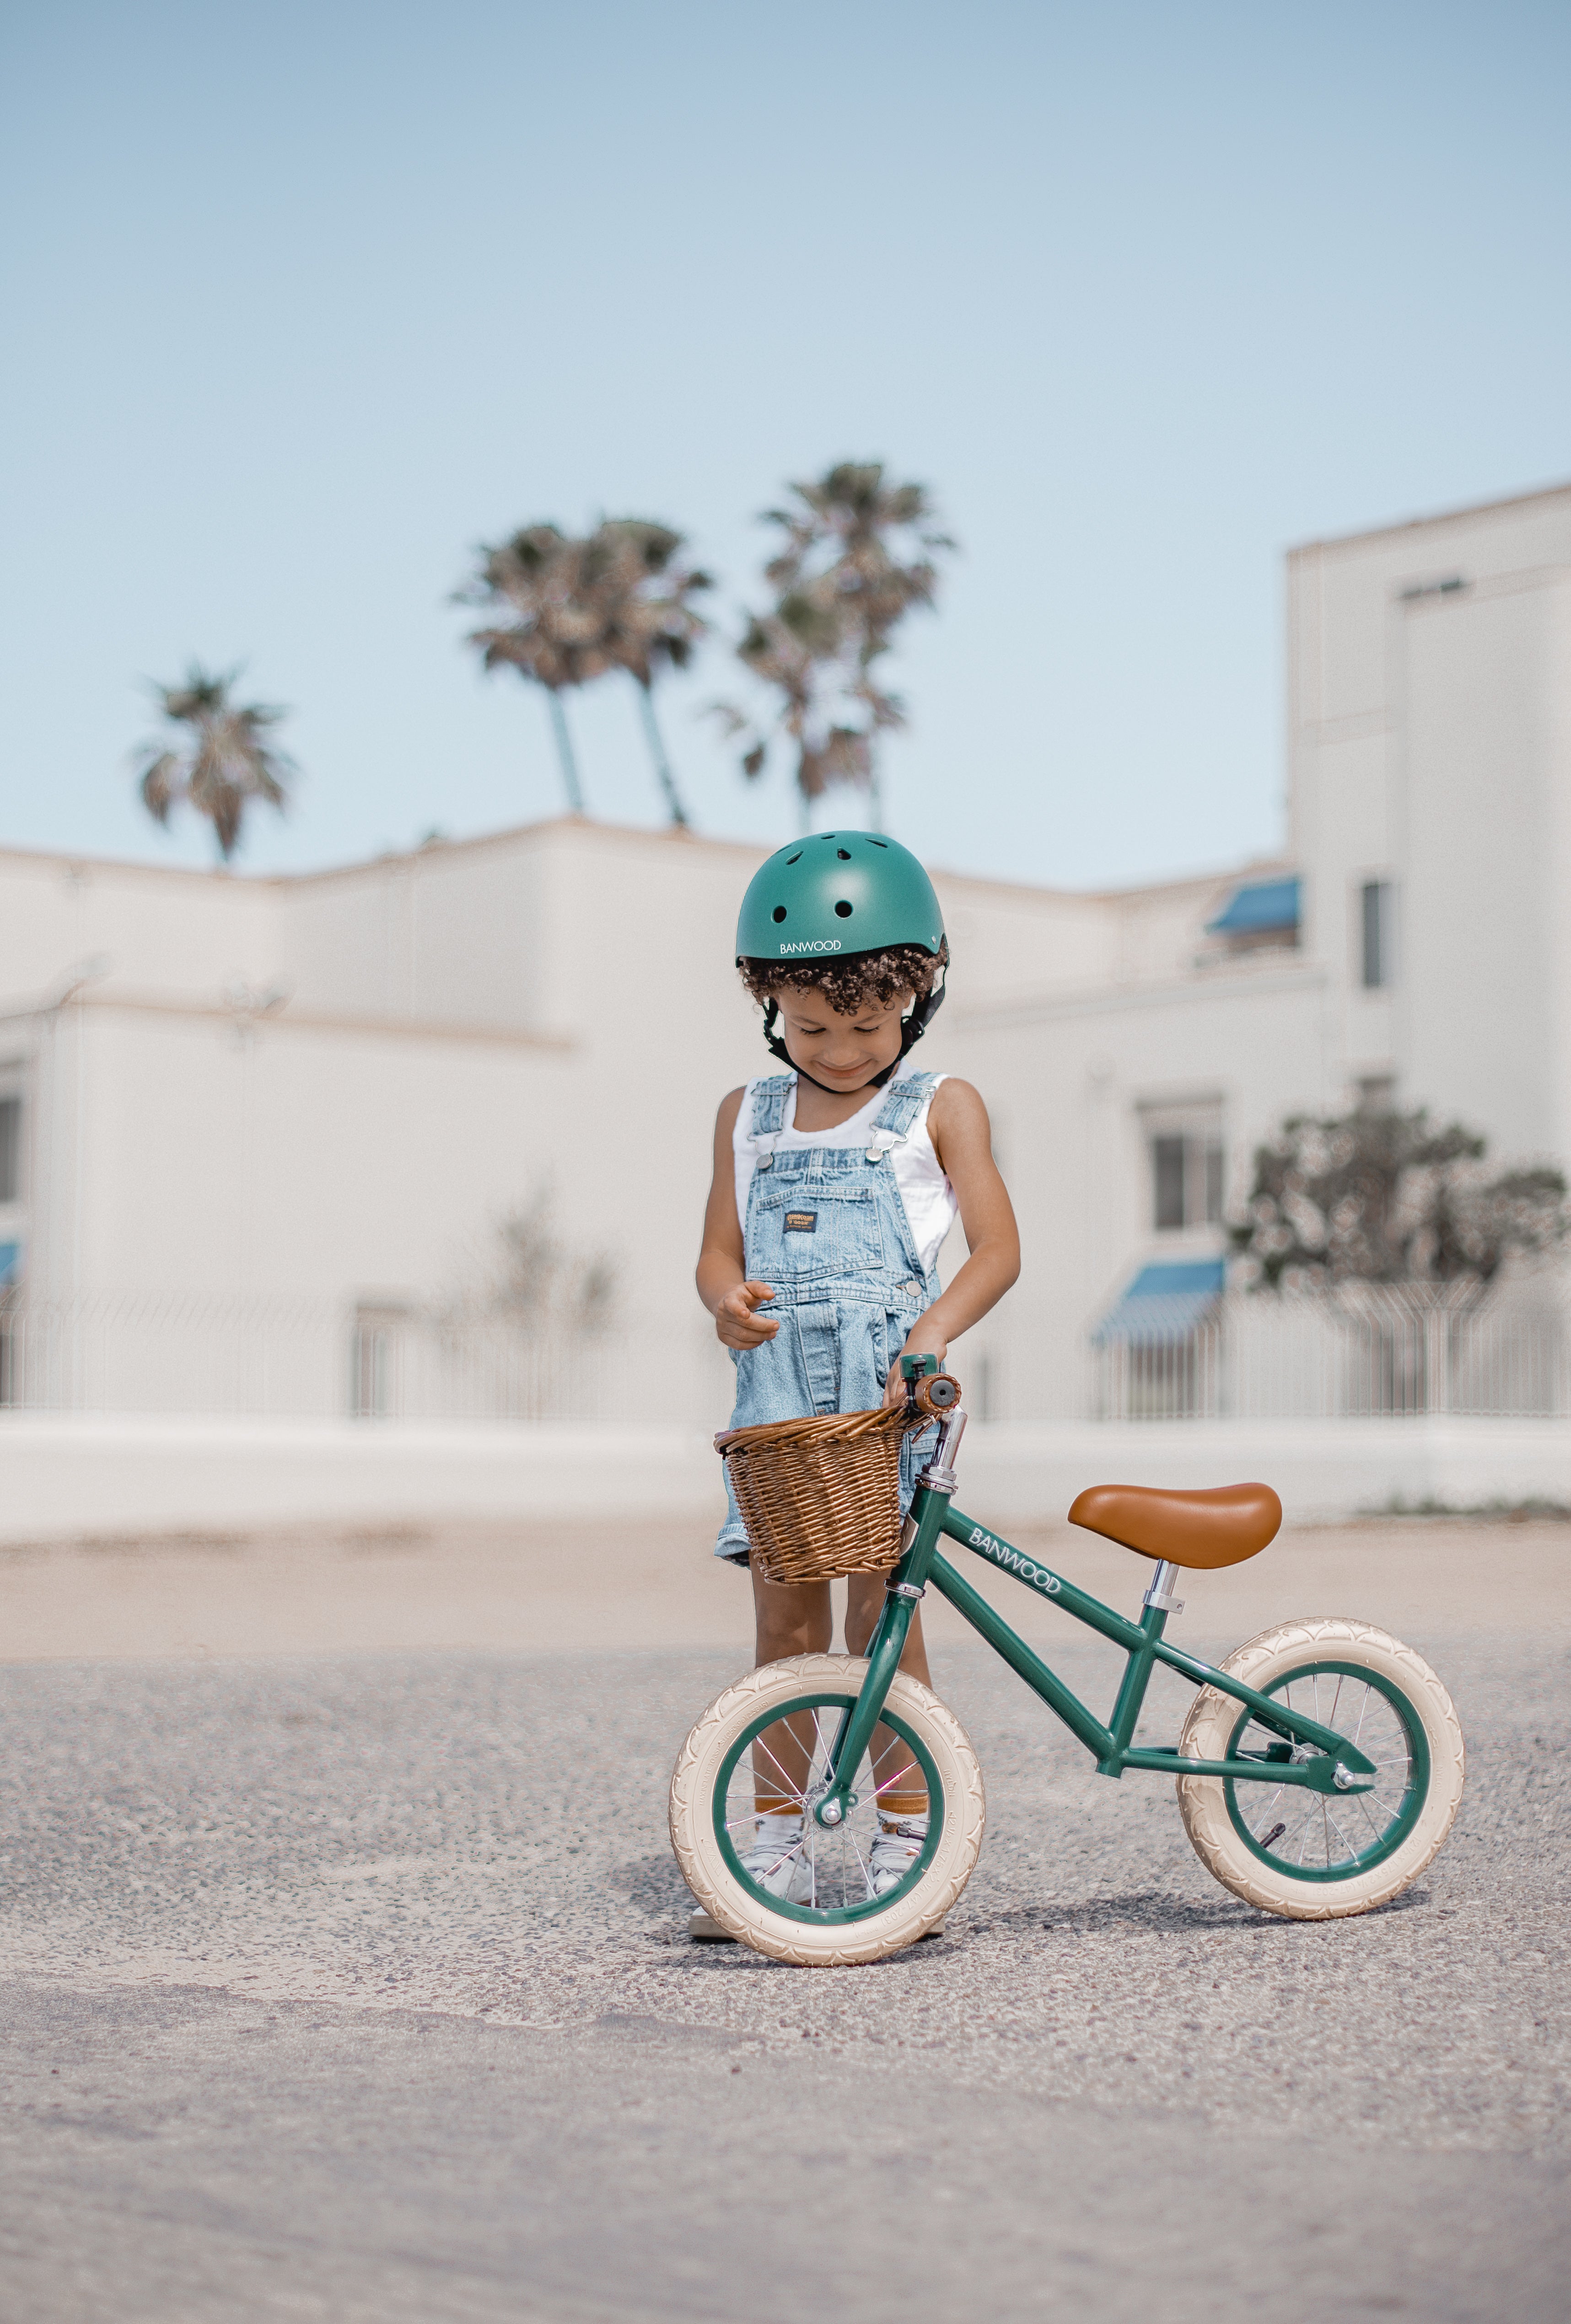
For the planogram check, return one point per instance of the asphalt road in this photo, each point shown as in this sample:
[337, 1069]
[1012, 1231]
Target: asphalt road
[359, 1988]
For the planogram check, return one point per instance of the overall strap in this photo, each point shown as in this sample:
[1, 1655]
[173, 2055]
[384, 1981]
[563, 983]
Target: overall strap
[902, 1102]
[769, 1103]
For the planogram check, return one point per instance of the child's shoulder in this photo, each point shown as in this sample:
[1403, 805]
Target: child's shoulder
[956, 1102]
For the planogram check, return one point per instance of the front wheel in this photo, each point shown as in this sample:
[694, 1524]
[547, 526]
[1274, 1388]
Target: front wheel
[761, 1747]
[1310, 1855]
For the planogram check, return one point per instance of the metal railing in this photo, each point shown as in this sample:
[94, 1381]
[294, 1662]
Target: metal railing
[1384, 1352]
[1250, 1357]
[293, 1358]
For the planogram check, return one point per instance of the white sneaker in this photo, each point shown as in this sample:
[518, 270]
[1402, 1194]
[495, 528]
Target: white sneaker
[778, 1861]
[895, 1851]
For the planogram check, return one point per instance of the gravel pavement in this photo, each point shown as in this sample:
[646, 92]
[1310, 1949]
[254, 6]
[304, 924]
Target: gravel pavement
[359, 1987]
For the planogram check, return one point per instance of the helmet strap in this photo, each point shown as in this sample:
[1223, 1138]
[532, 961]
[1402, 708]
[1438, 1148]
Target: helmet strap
[913, 1025]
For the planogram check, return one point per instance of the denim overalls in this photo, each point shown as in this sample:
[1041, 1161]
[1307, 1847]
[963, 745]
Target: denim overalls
[826, 1227]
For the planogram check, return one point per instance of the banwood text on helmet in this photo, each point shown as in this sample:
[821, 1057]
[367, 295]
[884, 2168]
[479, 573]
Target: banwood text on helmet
[837, 893]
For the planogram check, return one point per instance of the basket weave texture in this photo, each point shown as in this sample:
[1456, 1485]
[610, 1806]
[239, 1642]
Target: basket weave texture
[820, 1497]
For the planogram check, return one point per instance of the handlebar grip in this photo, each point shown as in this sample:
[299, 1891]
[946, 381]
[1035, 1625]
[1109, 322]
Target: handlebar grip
[936, 1394]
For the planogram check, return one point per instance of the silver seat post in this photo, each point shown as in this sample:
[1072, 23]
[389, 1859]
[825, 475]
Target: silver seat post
[1161, 1593]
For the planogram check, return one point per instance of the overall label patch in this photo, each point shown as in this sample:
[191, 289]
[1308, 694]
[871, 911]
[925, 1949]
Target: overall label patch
[800, 1221]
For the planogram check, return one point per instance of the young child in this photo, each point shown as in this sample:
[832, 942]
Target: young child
[835, 1187]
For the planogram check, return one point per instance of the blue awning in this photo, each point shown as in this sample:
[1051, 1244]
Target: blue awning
[10, 1263]
[1264, 904]
[1167, 1301]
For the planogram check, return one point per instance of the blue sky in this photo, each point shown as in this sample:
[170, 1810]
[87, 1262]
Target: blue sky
[302, 302]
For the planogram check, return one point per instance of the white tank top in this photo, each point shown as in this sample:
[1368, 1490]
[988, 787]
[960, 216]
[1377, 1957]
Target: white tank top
[928, 1197]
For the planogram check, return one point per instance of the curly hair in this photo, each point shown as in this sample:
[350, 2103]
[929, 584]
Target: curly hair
[855, 981]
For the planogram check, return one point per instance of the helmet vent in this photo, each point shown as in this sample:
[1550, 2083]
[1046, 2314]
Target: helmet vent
[780, 912]
[878, 842]
[796, 858]
[843, 909]
[844, 854]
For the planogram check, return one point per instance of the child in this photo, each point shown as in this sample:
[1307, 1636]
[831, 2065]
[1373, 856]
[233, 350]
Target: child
[835, 1187]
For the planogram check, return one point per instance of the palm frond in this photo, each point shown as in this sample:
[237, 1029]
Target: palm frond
[225, 764]
[857, 552]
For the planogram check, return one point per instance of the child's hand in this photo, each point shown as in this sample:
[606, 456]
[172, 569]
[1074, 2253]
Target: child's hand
[920, 1341]
[735, 1321]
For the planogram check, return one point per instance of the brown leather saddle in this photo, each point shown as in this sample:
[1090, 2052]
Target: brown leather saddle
[1220, 1526]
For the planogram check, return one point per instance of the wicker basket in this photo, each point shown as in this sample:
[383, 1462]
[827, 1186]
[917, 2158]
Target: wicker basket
[820, 1497]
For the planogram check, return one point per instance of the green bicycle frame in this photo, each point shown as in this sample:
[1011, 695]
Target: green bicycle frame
[1340, 1768]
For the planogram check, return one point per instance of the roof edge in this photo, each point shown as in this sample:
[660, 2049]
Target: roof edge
[260, 883]
[1468, 512]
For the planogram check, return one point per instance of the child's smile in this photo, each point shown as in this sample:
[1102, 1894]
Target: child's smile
[841, 1054]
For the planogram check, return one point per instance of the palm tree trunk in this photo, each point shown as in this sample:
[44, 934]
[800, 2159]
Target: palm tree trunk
[657, 751]
[565, 751]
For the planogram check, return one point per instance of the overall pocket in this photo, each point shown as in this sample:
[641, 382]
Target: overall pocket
[807, 1230]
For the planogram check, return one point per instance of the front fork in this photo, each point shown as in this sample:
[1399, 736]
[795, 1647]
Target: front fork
[905, 1588]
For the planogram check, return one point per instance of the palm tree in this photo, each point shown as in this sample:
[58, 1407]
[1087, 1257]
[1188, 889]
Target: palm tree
[645, 591]
[544, 582]
[858, 554]
[222, 764]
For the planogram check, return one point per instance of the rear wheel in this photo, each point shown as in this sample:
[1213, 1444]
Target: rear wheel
[1310, 1855]
[766, 1742]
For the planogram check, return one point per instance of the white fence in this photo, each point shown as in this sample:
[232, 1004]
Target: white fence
[1388, 1355]
[1253, 1357]
[293, 1358]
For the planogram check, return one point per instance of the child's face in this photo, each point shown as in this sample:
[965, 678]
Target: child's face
[844, 1052]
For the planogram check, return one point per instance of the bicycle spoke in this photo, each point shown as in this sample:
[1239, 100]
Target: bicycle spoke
[1305, 1835]
[1379, 1830]
[1269, 1805]
[759, 1745]
[825, 1869]
[1347, 1851]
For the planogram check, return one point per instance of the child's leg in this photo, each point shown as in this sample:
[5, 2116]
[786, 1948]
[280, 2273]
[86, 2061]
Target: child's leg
[791, 1617]
[903, 1789]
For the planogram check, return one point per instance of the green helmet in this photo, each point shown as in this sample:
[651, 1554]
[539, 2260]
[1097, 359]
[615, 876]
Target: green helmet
[835, 894]
[840, 891]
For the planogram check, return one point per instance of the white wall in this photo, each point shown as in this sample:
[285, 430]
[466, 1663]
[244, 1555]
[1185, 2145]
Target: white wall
[173, 931]
[65, 1476]
[1486, 766]
[1066, 1082]
[462, 1026]
[1427, 744]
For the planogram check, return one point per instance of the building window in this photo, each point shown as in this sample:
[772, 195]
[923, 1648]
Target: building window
[1378, 930]
[1376, 1092]
[10, 1149]
[1187, 1166]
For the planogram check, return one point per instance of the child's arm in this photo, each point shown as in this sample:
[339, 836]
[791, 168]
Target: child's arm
[962, 1140]
[722, 1274]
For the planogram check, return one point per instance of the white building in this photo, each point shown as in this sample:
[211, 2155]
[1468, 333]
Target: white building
[256, 1136]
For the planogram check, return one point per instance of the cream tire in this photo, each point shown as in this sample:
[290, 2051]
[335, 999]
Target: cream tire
[1264, 1663]
[740, 1909]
